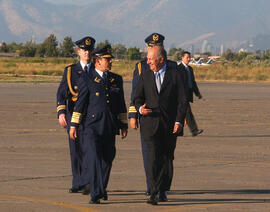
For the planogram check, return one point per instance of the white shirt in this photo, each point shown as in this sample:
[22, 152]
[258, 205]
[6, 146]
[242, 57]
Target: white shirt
[83, 65]
[100, 73]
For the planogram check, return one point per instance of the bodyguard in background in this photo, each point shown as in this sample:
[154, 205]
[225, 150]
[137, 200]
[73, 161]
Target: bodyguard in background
[154, 39]
[190, 88]
[103, 98]
[66, 98]
[160, 99]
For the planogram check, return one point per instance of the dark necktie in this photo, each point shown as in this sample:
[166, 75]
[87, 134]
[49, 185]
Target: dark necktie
[158, 81]
[86, 69]
[189, 77]
[105, 77]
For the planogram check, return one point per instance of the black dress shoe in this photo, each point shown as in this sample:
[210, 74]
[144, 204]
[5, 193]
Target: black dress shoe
[147, 193]
[94, 201]
[105, 197]
[197, 132]
[162, 196]
[152, 199]
[73, 190]
[86, 190]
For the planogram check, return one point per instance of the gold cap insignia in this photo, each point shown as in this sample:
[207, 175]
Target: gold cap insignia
[97, 80]
[155, 37]
[87, 42]
[97, 93]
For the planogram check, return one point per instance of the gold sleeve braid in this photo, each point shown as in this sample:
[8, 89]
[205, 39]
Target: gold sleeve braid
[76, 117]
[61, 107]
[74, 94]
[132, 109]
[123, 118]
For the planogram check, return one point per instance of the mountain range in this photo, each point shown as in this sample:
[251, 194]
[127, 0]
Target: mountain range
[230, 22]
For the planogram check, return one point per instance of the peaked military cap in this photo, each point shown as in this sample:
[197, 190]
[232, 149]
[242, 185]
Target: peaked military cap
[105, 52]
[155, 39]
[86, 43]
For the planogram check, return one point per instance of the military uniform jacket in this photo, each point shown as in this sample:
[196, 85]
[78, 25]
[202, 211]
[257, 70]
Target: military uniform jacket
[189, 91]
[168, 106]
[139, 68]
[68, 89]
[104, 102]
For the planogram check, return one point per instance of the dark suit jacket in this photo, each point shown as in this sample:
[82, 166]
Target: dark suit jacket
[194, 89]
[169, 106]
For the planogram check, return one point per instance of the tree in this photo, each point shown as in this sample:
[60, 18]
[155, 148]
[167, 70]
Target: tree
[66, 47]
[119, 51]
[50, 46]
[229, 55]
[29, 49]
[3, 47]
[134, 53]
[102, 44]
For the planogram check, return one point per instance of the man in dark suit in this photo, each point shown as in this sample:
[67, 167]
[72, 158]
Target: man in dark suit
[190, 88]
[160, 99]
[103, 98]
[154, 39]
[66, 97]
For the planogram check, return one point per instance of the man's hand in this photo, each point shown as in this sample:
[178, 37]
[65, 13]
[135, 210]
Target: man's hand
[72, 133]
[62, 120]
[144, 111]
[177, 128]
[124, 133]
[133, 123]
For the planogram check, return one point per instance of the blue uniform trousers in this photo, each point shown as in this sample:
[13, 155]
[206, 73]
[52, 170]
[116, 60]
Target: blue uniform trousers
[100, 153]
[80, 173]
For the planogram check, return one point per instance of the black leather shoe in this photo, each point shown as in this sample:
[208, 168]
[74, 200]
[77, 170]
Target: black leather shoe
[86, 190]
[197, 132]
[105, 197]
[73, 190]
[152, 199]
[162, 196]
[147, 193]
[94, 201]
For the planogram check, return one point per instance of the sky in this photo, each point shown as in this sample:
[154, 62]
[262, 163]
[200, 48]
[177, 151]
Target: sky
[76, 2]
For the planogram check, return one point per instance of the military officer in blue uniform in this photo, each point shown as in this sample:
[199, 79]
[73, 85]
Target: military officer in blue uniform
[66, 97]
[154, 39]
[106, 115]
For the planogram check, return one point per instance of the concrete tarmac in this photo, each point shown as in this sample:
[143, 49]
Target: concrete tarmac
[227, 168]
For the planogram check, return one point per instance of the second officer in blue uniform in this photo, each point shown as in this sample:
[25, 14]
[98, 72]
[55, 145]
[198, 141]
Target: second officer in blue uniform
[103, 98]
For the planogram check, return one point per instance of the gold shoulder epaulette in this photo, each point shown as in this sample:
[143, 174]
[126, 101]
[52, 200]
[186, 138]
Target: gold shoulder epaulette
[140, 68]
[74, 94]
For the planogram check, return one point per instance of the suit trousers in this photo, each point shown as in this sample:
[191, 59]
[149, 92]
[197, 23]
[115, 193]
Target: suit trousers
[145, 161]
[160, 158]
[100, 153]
[192, 125]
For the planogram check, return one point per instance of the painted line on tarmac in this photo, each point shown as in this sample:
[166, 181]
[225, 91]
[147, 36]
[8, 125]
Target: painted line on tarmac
[205, 205]
[62, 204]
[184, 207]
